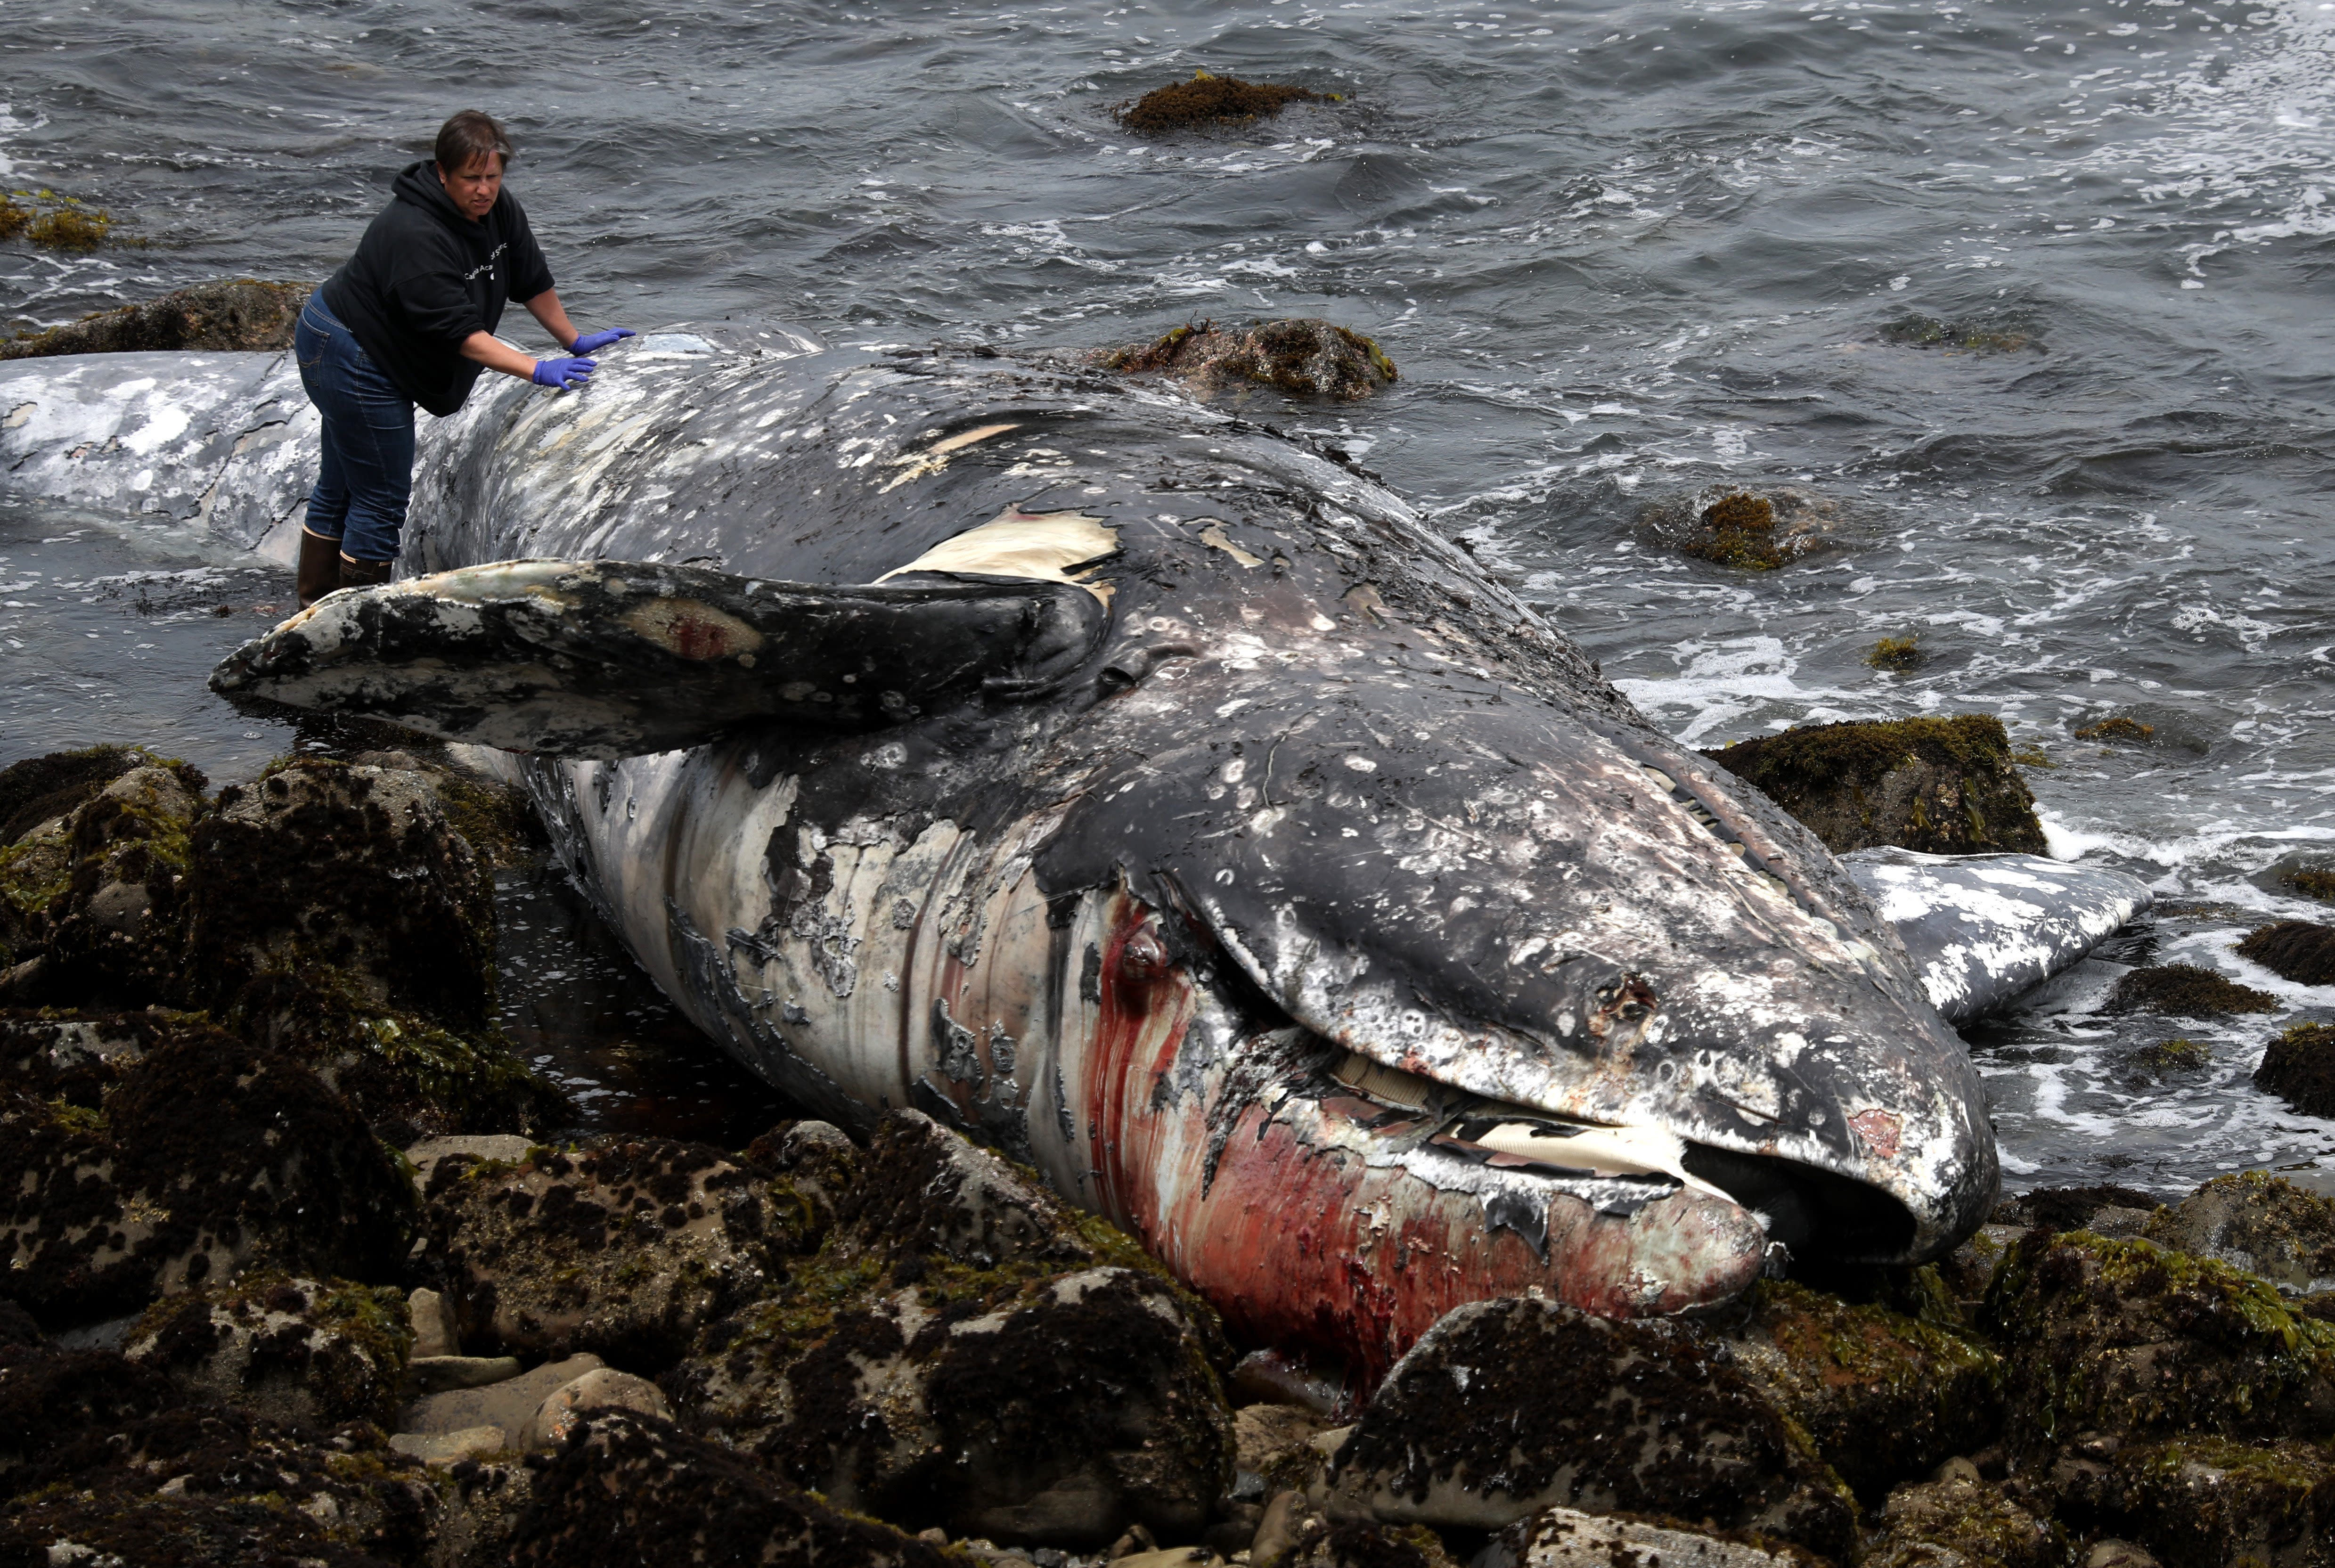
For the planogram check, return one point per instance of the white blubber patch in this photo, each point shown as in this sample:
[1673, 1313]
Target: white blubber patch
[1043, 546]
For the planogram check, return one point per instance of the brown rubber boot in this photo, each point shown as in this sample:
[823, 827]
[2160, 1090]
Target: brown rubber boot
[356, 573]
[320, 567]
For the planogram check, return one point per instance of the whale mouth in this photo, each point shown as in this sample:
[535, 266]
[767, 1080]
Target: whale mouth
[1809, 1210]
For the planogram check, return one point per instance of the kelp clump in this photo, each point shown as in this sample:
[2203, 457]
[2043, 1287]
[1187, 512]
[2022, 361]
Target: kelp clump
[2302, 951]
[2187, 991]
[233, 314]
[2120, 728]
[1301, 356]
[1899, 653]
[54, 222]
[1209, 100]
[2300, 1069]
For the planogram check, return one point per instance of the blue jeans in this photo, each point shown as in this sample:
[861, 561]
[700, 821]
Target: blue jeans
[367, 474]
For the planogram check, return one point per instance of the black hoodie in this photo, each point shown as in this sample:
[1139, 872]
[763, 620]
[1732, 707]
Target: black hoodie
[424, 277]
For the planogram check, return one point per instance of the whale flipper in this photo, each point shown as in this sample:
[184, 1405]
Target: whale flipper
[1981, 929]
[605, 659]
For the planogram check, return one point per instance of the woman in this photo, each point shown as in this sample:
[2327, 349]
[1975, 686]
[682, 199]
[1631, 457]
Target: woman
[410, 319]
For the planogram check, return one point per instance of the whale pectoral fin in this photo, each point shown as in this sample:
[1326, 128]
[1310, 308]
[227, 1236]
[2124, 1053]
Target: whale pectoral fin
[604, 659]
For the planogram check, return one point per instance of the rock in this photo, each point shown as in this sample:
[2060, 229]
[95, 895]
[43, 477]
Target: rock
[507, 1406]
[1304, 358]
[486, 1498]
[2067, 1208]
[1567, 1538]
[624, 1246]
[238, 313]
[2167, 1059]
[1940, 786]
[2187, 991]
[1274, 1443]
[1506, 1408]
[1172, 1558]
[1967, 1271]
[2202, 1502]
[1735, 528]
[1963, 1523]
[208, 1156]
[2114, 1554]
[962, 1351]
[1210, 100]
[1271, 1378]
[434, 1334]
[2308, 872]
[1884, 1398]
[1363, 1543]
[2132, 1340]
[565, 1407]
[447, 1448]
[437, 1374]
[2302, 951]
[494, 1148]
[2257, 1222]
[120, 1465]
[2300, 1069]
[334, 912]
[630, 1488]
[495, 819]
[301, 1352]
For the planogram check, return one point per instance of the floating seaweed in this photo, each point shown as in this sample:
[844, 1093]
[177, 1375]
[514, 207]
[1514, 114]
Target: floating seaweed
[1304, 356]
[57, 222]
[1897, 654]
[1209, 100]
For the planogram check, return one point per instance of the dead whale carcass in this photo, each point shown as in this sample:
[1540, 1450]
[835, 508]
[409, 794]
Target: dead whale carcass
[1178, 814]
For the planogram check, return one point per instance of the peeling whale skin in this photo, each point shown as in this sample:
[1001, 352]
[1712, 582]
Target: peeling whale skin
[1321, 916]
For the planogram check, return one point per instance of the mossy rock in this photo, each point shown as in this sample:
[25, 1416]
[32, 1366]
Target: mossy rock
[232, 316]
[2258, 1222]
[1301, 356]
[2068, 1208]
[2187, 991]
[2302, 951]
[1207, 99]
[40, 789]
[2167, 1059]
[2140, 1342]
[1900, 654]
[95, 906]
[2300, 1069]
[1884, 1397]
[304, 1353]
[2205, 1502]
[1961, 1522]
[1506, 1407]
[959, 1348]
[631, 1488]
[1365, 1544]
[1749, 531]
[1940, 786]
[1569, 1538]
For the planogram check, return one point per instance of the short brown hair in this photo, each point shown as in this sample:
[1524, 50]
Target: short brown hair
[468, 137]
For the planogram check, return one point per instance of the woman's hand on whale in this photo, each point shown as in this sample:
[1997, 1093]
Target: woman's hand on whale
[563, 374]
[593, 342]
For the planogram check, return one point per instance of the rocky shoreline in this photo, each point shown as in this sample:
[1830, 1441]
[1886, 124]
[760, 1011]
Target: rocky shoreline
[302, 1270]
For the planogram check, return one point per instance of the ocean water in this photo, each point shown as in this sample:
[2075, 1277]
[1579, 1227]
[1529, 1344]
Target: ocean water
[1622, 252]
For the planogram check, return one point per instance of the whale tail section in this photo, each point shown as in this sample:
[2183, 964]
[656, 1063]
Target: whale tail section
[605, 659]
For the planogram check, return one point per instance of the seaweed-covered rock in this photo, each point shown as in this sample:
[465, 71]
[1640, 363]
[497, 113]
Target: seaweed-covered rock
[2300, 1069]
[1884, 1397]
[1275, 1444]
[58, 1407]
[2185, 991]
[2260, 1223]
[1568, 1538]
[334, 912]
[1301, 356]
[1755, 533]
[2070, 1208]
[1940, 786]
[2310, 872]
[1207, 99]
[300, 1352]
[2136, 1341]
[2166, 1059]
[97, 899]
[1506, 1407]
[45, 790]
[1365, 1544]
[625, 1247]
[1962, 1523]
[631, 1488]
[962, 1351]
[2302, 951]
[209, 1156]
[2205, 1502]
[228, 314]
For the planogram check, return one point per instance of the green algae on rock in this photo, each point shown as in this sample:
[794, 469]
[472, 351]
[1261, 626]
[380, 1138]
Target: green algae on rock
[1301, 356]
[2302, 951]
[2122, 728]
[301, 1352]
[2156, 1063]
[2258, 1222]
[1962, 1522]
[1943, 786]
[2185, 991]
[2205, 1502]
[2140, 1342]
[232, 315]
[1884, 1397]
[2300, 1069]
[1207, 99]
[1897, 654]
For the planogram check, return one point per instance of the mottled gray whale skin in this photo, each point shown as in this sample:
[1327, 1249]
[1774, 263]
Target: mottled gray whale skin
[1330, 924]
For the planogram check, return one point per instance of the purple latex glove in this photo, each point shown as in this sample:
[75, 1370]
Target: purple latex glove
[593, 342]
[563, 374]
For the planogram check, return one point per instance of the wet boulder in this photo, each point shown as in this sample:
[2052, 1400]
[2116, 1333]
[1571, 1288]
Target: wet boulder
[1940, 786]
[1568, 1538]
[963, 1351]
[1962, 1522]
[1506, 1407]
[1754, 532]
[304, 1353]
[2302, 951]
[625, 1247]
[1211, 99]
[2132, 1341]
[2070, 1208]
[630, 1488]
[334, 914]
[2203, 1501]
[230, 315]
[1884, 1397]
[207, 1155]
[2260, 1223]
[1363, 1543]
[1302, 357]
[2185, 991]
[2300, 1068]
